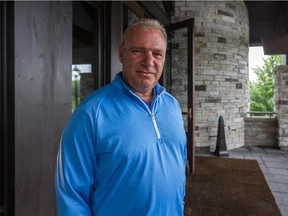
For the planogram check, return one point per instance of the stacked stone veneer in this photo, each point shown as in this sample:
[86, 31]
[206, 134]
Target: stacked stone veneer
[221, 68]
[178, 77]
[261, 131]
[281, 104]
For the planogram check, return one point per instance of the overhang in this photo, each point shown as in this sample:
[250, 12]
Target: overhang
[268, 22]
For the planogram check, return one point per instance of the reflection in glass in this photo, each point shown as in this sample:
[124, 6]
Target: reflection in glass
[88, 54]
[75, 86]
[78, 71]
[129, 16]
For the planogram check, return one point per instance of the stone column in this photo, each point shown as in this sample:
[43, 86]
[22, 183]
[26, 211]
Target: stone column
[221, 68]
[281, 104]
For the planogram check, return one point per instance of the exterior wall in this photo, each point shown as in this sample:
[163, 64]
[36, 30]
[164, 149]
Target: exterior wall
[281, 104]
[261, 131]
[178, 76]
[221, 68]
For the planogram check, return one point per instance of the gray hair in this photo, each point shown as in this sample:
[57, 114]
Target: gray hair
[144, 23]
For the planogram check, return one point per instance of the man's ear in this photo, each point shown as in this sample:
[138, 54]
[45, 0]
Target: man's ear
[120, 54]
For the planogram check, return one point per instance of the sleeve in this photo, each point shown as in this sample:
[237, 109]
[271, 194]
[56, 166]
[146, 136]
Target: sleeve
[75, 169]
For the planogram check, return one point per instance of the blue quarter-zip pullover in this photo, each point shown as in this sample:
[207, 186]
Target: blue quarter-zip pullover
[119, 156]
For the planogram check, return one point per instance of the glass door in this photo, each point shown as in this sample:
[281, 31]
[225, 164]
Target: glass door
[178, 77]
[88, 50]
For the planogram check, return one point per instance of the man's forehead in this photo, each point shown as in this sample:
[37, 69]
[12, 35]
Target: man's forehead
[147, 48]
[147, 41]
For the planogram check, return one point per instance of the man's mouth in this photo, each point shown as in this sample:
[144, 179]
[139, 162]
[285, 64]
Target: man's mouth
[145, 72]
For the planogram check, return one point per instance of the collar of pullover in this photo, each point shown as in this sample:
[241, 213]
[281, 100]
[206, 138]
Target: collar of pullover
[119, 83]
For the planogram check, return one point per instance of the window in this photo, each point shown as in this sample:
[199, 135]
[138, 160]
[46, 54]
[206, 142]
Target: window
[129, 16]
[87, 72]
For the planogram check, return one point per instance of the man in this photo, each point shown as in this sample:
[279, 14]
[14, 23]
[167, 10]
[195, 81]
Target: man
[123, 151]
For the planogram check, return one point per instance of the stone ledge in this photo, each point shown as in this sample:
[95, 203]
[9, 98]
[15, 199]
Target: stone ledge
[258, 118]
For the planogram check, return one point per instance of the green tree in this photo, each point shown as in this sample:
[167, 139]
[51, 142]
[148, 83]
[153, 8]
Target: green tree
[262, 89]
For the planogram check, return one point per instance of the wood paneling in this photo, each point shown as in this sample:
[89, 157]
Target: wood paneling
[43, 58]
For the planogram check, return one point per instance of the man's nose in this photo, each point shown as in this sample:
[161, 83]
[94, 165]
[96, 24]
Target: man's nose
[148, 59]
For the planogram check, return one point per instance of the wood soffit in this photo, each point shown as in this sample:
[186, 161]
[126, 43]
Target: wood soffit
[268, 22]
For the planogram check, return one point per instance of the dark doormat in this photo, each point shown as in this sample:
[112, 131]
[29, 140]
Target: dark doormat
[226, 186]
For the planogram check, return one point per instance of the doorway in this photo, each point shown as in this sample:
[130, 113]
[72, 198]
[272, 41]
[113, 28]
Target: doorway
[178, 78]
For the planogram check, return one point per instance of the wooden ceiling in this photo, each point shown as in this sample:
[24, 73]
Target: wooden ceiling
[269, 25]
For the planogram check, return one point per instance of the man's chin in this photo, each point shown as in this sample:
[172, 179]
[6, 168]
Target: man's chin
[147, 87]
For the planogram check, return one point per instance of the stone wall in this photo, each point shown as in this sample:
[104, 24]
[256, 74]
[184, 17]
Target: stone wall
[221, 67]
[261, 131]
[178, 77]
[281, 104]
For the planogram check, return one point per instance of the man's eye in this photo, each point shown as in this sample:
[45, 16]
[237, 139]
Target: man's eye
[137, 52]
[158, 55]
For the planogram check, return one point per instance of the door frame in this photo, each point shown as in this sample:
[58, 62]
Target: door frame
[189, 24]
[7, 111]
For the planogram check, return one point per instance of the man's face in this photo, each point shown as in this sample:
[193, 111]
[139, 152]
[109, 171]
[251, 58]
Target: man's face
[143, 59]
